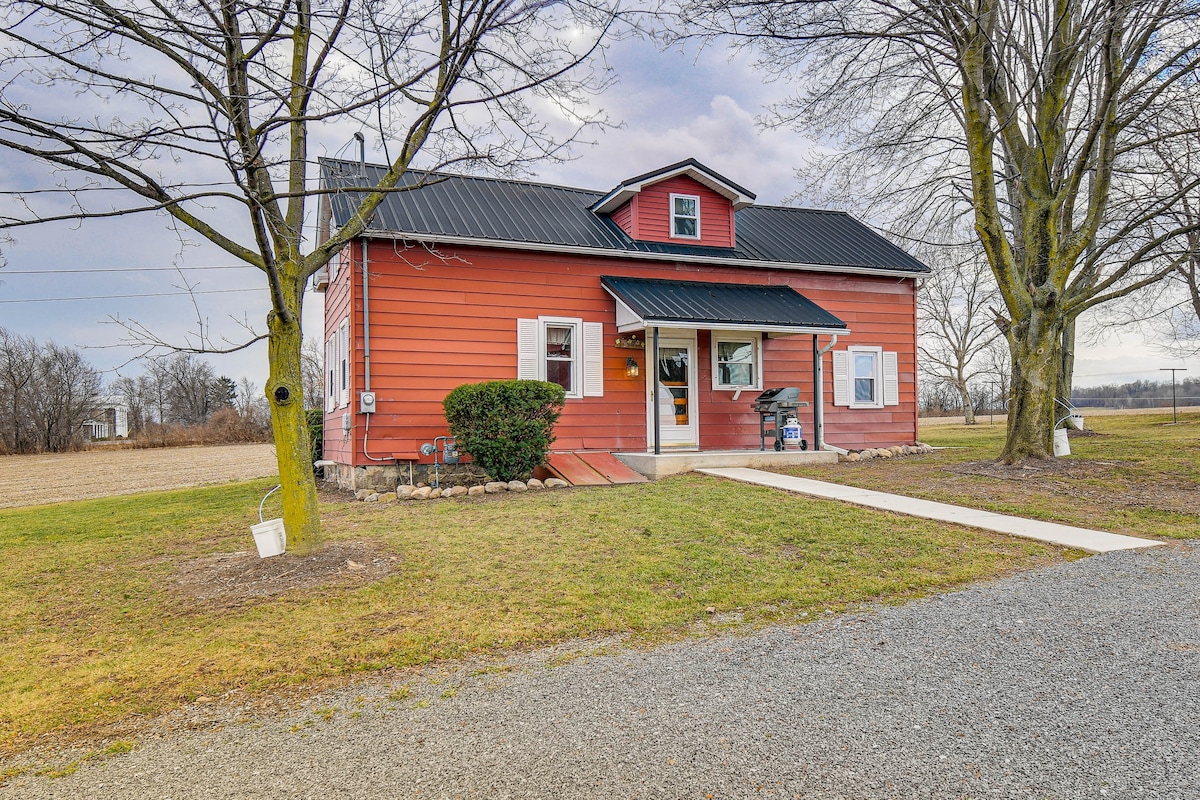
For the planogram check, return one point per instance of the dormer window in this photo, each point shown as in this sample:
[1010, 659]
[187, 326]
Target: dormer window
[685, 216]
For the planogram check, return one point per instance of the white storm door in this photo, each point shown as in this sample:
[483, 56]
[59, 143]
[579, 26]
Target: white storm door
[676, 377]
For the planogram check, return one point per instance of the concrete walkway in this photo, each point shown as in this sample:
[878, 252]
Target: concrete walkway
[1052, 532]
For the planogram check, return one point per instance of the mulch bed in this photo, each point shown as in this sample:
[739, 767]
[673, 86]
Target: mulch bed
[232, 580]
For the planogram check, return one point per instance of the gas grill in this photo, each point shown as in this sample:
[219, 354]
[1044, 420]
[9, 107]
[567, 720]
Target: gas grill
[774, 406]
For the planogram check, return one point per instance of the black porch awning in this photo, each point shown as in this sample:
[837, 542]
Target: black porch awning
[655, 303]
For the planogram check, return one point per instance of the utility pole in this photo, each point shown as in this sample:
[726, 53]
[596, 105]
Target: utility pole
[1174, 407]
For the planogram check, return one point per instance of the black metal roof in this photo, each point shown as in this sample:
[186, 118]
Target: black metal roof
[714, 305]
[441, 206]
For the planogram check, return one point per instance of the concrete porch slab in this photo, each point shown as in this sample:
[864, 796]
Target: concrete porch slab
[1052, 532]
[654, 467]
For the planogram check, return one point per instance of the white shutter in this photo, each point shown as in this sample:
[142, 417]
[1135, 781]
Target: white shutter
[344, 365]
[891, 379]
[330, 368]
[528, 356]
[841, 378]
[593, 359]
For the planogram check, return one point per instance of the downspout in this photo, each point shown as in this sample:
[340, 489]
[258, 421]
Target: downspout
[819, 442]
[366, 296]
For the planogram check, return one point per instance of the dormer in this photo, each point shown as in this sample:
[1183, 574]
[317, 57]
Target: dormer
[685, 204]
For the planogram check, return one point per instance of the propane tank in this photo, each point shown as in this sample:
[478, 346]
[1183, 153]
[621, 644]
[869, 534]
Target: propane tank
[792, 432]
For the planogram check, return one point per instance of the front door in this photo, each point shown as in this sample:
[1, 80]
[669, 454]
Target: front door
[676, 376]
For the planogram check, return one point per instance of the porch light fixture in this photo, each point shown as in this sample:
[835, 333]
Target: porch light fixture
[632, 370]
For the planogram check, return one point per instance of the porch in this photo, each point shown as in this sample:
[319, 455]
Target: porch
[673, 463]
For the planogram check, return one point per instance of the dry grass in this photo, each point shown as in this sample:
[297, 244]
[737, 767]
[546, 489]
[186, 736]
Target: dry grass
[1136, 474]
[116, 611]
[102, 472]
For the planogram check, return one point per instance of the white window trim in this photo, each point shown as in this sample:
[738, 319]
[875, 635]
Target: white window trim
[330, 374]
[887, 377]
[576, 326]
[736, 336]
[877, 352]
[695, 197]
[587, 366]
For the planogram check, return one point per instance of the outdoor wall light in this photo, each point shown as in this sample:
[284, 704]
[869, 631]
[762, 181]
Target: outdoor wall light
[632, 370]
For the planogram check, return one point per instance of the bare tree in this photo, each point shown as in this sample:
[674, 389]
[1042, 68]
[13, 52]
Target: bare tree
[954, 323]
[312, 373]
[197, 109]
[18, 374]
[1015, 114]
[66, 395]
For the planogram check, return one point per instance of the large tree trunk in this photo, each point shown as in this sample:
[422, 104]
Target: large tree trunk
[968, 402]
[1036, 360]
[1066, 370]
[285, 394]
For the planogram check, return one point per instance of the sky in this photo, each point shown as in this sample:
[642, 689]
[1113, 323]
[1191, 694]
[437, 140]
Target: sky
[669, 105]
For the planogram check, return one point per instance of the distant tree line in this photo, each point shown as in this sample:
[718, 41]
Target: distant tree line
[1139, 394]
[49, 393]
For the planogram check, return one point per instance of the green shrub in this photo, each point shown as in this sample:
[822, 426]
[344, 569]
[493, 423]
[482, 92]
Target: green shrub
[316, 433]
[506, 426]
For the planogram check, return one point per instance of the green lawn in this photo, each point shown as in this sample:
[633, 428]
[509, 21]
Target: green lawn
[1138, 475]
[96, 631]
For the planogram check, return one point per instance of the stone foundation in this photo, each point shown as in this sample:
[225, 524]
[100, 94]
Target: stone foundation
[386, 477]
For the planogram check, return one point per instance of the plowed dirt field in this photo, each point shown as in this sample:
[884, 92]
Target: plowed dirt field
[58, 477]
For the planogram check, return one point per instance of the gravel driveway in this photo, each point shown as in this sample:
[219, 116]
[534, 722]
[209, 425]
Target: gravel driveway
[1080, 680]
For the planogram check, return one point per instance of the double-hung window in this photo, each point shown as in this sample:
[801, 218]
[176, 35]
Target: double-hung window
[865, 377]
[562, 350]
[865, 374]
[685, 216]
[736, 360]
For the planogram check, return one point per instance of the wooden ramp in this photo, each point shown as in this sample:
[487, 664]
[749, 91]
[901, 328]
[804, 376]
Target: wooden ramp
[591, 468]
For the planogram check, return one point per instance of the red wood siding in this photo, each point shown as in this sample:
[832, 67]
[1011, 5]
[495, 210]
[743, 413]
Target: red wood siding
[624, 218]
[339, 296]
[651, 213]
[454, 321]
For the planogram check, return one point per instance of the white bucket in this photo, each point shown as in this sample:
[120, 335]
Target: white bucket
[1062, 447]
[1075, 421]
[269, 537]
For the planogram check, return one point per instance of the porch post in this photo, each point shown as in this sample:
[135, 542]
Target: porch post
[818, 396]
[653, 376]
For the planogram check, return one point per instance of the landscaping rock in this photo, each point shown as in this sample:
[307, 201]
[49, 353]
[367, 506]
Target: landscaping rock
[884, 453]
[421, 493]
[495, 487]
[906, 450]
[363, 494]
[404, 491]
[373, 497]
[853, 457]
[534, 483]
[517, 486]
[897, 449]
[387, 497]
[435, 493]
[555, 483]
[454, 491]
[476, 491]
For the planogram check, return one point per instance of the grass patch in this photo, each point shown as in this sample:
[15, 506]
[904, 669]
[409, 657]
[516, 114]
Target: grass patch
[96, 631]
[1138, 475]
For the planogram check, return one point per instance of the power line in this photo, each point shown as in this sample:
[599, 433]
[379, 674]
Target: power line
[4, 272]
[127, 296]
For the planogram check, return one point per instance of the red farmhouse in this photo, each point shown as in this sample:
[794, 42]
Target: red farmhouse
[462, 279]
